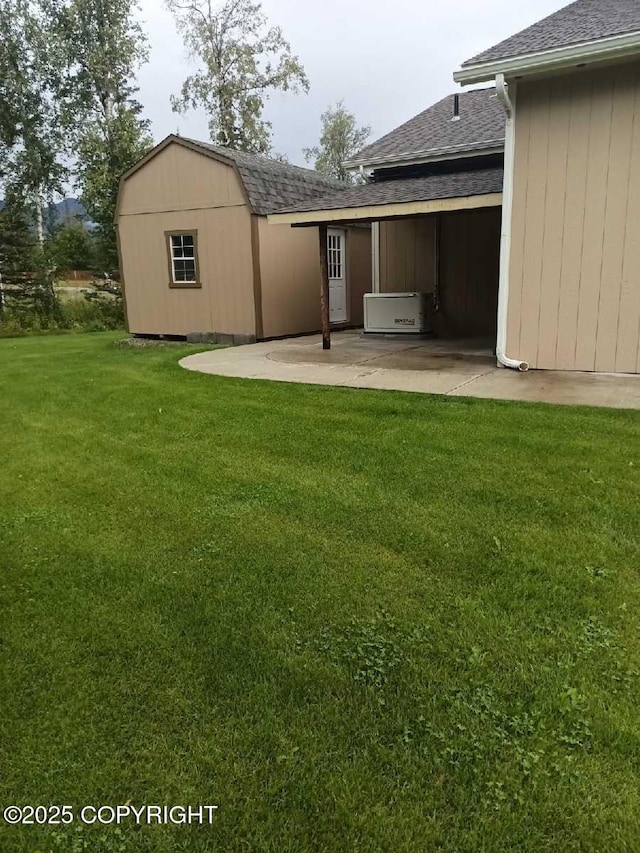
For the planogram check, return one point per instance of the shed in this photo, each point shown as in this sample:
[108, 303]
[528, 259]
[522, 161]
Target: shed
[199, 259]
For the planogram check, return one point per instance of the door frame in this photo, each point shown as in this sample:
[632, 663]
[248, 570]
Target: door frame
[343, 232]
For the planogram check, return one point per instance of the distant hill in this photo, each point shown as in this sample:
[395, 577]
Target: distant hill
[68, 208]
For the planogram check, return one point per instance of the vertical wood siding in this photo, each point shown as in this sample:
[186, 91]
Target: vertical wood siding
[406, 255]
[469, 273]
[180, 179]
[575, 255]
[469, 267]
[290, 272]
[359, 272]
[224, 303]
[182, 190]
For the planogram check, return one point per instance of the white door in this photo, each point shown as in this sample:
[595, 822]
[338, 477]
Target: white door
[337, 276]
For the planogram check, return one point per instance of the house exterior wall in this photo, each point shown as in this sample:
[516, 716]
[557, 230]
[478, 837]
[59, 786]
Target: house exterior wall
[407, 255]
[469, 273]
[469, 267]
[574, 298]
[181, 190]
[359, 273]
[290, 277]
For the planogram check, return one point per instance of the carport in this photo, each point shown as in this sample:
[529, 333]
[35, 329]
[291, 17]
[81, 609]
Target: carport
[437, 234]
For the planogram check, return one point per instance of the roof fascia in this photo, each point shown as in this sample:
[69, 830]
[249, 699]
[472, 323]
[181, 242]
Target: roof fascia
[610, 49]
[376, 212]
[435, 155]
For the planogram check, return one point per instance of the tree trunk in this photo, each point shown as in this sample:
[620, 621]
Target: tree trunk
[39, 221]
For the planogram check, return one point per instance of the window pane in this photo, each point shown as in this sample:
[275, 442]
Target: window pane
[185, 271]
[183, 258]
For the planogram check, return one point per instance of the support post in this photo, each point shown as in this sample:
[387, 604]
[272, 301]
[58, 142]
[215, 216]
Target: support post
[324, 288]
[375, 257]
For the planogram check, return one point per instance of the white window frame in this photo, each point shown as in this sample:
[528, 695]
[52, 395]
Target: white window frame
[171, 249]
[336, 256]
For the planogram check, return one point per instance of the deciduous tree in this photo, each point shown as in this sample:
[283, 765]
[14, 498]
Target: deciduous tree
[33, 141]
[340, 139]
[105, 47]
[242, 59]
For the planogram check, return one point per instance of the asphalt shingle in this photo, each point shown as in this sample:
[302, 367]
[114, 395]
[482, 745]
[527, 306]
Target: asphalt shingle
[582, 21]
[430, 188]
[481, 124]
[271, 184]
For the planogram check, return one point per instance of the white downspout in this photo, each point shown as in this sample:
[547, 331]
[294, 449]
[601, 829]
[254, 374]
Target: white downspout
[502, 90]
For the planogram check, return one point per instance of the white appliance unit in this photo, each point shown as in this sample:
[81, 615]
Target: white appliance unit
[395, 313]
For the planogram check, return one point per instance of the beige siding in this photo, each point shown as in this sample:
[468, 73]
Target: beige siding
[182, 190]
[290, 277]
[575, 255]
[407, 255]
[180, 179]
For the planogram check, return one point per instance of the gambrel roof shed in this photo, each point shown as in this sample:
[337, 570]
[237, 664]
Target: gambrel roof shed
[200, 259]
[269, 184]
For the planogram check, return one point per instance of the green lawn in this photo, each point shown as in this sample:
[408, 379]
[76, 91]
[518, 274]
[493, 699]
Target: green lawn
[356, 621]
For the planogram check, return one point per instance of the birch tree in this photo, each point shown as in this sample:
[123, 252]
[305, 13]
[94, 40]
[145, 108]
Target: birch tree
[105, 47]
[340, 139]
[33, 141]
[242, 60]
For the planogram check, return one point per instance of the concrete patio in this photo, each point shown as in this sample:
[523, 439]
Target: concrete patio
[457, 369]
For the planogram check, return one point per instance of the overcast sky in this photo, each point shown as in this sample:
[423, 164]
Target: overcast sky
[387, 60]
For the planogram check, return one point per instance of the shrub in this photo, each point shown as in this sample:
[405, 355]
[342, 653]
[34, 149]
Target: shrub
[97, 310]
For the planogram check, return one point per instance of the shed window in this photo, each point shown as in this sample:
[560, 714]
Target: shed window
[183, 258]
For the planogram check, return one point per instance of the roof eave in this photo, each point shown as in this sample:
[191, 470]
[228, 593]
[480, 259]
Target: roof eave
[610, 49]
[384, 210]
[434, 155]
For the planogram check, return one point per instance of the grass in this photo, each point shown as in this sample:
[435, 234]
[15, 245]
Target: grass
[356, 621]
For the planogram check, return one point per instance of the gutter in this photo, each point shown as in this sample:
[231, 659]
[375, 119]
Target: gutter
[562, 58]
[504, 97]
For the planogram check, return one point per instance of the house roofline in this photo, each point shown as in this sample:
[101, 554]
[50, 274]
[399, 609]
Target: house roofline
[610, 49]
[384, 210]
[434, 155]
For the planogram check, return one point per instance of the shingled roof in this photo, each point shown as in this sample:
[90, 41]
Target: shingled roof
[429, 188]
[271, 184]
[432, 132]
[582, 21]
